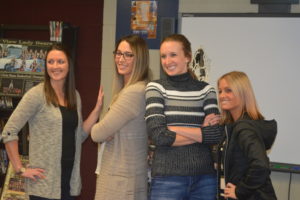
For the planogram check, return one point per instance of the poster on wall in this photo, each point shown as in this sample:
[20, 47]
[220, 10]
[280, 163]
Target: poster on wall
[22, 56]
[22, 64]
[144, 18]
[150, 19]
[56, 28]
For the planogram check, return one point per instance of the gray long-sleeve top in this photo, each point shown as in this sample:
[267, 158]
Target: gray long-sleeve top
[45, 145]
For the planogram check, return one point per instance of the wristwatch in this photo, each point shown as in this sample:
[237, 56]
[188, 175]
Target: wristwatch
[21, 170]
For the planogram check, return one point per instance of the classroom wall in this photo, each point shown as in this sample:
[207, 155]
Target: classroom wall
[280, 180]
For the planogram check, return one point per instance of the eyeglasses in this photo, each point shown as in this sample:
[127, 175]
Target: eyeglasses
[126, 55]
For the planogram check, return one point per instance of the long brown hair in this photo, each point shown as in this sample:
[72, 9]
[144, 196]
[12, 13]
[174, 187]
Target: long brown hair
[141, 71]
[186, 47]
[69, 85]
[241, 87]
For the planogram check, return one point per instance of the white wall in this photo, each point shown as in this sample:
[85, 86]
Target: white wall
[216, 6]
[108, 43]
[280, 180]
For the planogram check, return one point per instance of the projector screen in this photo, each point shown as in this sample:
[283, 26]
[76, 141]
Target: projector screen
[267, 48]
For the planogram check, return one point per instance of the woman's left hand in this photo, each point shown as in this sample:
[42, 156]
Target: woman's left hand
[229, 191]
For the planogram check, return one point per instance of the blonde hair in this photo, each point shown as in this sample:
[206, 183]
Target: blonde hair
[140, 71]
[241, 87]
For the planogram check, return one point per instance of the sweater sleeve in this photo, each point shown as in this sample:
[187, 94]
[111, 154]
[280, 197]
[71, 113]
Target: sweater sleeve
[258, 169]
[128, 106]
[155, 117]
[210, 104]
[211, 134]
[26, 109]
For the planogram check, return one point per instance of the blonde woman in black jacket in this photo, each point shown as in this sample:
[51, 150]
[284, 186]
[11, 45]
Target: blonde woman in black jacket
[248, 136]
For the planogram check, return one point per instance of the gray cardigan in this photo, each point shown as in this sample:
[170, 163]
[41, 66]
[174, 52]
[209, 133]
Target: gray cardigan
[45, 146]
[123, 174]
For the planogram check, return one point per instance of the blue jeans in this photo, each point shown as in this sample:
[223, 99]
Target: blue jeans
[201, 187]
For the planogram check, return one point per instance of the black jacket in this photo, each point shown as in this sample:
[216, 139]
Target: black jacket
[245, 160]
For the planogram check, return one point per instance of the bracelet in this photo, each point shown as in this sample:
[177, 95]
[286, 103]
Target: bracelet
[21, 171]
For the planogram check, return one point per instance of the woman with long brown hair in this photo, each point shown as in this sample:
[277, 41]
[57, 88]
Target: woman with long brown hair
[53, 112]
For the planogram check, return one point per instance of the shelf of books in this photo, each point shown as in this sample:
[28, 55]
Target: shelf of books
[14, 185]
[3, 167]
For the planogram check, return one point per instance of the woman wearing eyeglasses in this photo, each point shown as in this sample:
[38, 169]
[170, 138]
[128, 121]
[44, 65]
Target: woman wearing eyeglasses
[122, 165]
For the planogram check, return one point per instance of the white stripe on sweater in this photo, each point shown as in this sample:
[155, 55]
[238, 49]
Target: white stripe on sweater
[154, 105]
[184, 113]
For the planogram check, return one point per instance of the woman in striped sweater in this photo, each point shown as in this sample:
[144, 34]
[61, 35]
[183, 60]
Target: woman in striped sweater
[182, 116]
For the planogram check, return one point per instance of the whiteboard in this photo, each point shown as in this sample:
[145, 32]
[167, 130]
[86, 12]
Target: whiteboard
[267, 48]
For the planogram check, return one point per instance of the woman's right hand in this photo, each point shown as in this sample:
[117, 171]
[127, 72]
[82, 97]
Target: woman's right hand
[100, 98]
[34, 173]
[211, 119]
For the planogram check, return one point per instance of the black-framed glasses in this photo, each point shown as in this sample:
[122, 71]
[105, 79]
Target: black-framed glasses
[126, 55]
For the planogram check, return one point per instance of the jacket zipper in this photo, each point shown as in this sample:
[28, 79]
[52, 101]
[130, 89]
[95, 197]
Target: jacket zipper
[225, 150]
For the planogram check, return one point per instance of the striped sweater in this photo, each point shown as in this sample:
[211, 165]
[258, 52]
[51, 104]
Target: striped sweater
[180, 101]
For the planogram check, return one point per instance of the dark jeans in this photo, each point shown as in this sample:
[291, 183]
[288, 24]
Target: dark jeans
[202, 187]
